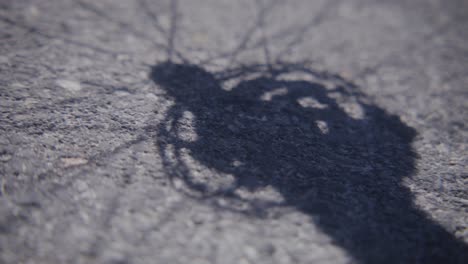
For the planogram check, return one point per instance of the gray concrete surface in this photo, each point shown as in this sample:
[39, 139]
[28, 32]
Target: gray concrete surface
[223, 131]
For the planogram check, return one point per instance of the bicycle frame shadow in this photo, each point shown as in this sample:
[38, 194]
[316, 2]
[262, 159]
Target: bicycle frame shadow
[290, 128]
[312, 136]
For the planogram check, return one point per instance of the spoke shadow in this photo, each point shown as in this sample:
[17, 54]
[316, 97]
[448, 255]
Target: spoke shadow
[313, 138]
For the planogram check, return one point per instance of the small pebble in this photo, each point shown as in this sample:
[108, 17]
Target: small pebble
[69, 85]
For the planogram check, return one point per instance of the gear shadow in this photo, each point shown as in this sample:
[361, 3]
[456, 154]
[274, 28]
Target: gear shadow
[288, 127]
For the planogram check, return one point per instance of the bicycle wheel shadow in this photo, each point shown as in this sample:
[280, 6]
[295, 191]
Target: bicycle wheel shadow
[313, 138]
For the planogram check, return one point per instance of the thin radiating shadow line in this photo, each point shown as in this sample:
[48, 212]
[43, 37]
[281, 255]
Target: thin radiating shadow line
[153, 16]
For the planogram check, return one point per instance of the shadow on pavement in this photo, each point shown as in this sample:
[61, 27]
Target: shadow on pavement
[314, 139]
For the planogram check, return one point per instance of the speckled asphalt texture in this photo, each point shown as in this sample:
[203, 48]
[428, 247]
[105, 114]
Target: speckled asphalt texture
[223, 131]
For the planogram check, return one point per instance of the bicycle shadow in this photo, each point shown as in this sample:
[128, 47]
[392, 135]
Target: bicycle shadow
[312, 137]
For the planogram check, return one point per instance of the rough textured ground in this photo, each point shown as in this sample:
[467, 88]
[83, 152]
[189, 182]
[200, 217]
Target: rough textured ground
[233, 131]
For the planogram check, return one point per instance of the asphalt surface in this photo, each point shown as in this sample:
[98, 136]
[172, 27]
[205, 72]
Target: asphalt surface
[223, 131]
